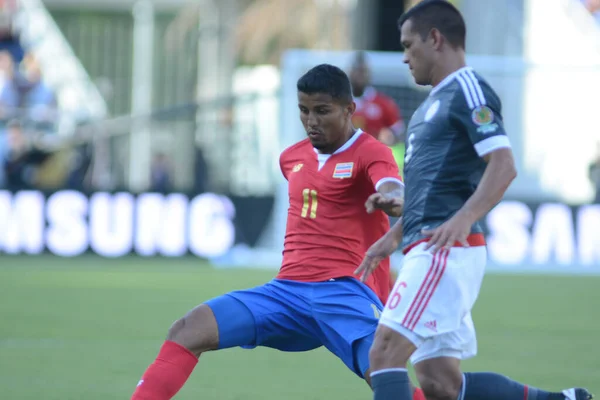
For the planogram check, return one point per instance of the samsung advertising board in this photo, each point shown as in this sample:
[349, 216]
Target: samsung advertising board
[521, 237]
[69, 223]
[545, 237]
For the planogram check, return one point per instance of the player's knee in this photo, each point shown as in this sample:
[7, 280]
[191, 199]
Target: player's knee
[438, 388]
[389, 350]
[176, 329]
[377, 352]
[197, 330]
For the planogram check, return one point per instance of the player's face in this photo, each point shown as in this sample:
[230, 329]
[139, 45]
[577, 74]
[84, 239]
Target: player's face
[325, 120]
[418, 53]
[359, 77]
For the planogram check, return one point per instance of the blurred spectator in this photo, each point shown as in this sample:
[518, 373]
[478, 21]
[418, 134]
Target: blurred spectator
[27, 107]
[160, 175]
[9, 92]
[80, 161]
[376, 113]
[200, 172]
[595, 175]
[22, 158]
[3, 155]
[37, 98]
[9, 39]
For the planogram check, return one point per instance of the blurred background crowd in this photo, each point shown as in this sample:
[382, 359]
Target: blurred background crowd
[185, 96]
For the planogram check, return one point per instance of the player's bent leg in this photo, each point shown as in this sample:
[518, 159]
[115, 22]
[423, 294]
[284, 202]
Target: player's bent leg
[440, 378]
[400, 330]
[198, 331]
[362, 348]
[388, 358]
[390, 349]
[437, 361]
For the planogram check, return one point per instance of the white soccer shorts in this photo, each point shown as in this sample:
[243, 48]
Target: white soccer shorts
[432, 299]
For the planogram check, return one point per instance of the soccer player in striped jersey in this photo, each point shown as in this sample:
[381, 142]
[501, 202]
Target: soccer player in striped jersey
[458, 165]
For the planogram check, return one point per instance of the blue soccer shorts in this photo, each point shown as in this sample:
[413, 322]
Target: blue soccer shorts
[340, 314]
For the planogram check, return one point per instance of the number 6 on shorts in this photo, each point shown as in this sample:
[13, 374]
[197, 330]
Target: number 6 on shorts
[396, 295]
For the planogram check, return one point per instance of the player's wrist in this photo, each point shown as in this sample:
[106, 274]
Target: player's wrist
[396, 232]
[394, 212]
[468, 214]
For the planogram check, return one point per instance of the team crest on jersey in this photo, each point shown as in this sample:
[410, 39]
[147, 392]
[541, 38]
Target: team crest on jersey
[483, 117]
[432, 110]
[297, 167]
[343, 170]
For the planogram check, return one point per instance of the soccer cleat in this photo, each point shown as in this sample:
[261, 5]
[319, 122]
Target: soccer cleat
[577, 394]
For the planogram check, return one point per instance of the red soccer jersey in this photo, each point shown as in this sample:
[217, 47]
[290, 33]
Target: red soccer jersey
[328, 229]
[375, 111]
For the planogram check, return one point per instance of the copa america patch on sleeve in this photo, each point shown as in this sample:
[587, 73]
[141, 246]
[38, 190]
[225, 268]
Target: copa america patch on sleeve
[483, 117]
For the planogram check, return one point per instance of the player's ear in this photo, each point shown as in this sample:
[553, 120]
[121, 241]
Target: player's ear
[436, 38]
[351, 108]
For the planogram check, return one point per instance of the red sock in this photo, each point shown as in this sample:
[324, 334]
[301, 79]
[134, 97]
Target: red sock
[167, 374]
[418, 394]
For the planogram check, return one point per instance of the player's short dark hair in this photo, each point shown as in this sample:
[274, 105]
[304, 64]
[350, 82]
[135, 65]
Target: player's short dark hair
[438, 14]
[327, 79]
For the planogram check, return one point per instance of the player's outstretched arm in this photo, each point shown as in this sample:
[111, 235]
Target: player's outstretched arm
[380, 250]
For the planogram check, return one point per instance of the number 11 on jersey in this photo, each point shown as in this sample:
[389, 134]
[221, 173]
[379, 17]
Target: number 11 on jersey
[310, 202]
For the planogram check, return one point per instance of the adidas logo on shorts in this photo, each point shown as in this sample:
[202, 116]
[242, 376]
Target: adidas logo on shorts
[431, 325]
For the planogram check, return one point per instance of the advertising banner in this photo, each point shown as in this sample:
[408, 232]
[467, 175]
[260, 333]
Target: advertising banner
[545, 237]
[521, 237]
[69, 223]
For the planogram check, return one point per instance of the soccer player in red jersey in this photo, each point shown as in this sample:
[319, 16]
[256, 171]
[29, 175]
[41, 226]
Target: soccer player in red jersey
[375, 112]
[342, 182]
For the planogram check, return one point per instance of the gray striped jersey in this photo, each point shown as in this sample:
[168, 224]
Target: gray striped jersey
[447, 137]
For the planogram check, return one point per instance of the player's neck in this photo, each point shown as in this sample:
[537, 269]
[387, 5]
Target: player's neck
[446, 67]
[351, 132]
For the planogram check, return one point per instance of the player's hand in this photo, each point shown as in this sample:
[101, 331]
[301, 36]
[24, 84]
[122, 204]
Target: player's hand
[379, 251]
[392, 206]
[456, 229]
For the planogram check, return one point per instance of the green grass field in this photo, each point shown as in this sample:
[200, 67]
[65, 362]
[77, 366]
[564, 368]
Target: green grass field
[86, 328]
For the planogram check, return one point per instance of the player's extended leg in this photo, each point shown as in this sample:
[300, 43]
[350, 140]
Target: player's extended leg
[428, 319]
[440, 376]
[247, 318]
[441, 379]
[417, 307]
[389, 357]
[187, 338]
[361, 351]
[437, 364]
